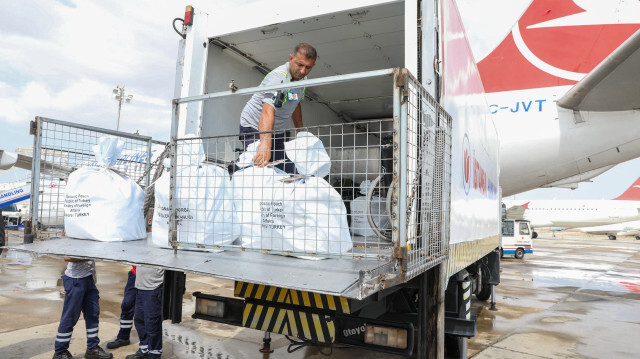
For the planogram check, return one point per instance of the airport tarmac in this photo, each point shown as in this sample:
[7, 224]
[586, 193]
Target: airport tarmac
[575, 297]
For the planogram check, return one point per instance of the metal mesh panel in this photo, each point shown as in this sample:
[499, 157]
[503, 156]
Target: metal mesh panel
[406, 158]
[428, 179]
[62, 147]
[340, 213]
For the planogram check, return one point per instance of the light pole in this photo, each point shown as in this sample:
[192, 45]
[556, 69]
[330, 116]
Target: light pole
[120, 95]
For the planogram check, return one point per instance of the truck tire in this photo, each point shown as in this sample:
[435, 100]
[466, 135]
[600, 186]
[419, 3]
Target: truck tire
[612, 237]
[484, 293]
[519, 253]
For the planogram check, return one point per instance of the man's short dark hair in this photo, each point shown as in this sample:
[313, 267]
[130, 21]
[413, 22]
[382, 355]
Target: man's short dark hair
[307, 50]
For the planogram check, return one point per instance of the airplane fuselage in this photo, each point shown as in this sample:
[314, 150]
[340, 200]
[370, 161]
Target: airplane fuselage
[541, 144]
[560, 213]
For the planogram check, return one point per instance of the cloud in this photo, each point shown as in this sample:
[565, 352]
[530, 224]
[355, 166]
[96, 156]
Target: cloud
[62, 60]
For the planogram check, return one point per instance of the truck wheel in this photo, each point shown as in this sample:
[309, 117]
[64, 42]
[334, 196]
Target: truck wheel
[612, 237]
[519, 253]
[484, 293]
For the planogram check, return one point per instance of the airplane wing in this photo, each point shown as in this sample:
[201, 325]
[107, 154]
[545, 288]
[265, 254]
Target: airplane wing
[612, 85]
[9, 160]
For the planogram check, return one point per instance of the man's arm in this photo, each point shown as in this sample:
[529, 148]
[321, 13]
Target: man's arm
[296, 116]
[267, 119]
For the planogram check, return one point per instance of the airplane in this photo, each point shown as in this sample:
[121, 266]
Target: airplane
[564, 90]
[614, 230]
[577, 213]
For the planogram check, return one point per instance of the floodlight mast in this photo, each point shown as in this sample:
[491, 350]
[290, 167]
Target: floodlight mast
[119, 95]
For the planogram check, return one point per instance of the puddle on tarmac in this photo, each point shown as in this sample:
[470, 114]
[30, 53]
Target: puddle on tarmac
[558, 319]
[21, 273]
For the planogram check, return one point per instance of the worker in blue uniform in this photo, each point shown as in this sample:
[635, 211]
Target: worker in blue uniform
[127, 309]
[148, 314]
[81, 296]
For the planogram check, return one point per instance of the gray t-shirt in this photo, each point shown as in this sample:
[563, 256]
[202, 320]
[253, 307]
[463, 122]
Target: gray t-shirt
[148, 278]
[250, 116]
[80, 269]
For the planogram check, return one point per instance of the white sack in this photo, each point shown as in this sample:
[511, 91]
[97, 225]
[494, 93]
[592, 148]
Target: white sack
[246, 158]
[303, 216]
[307, 152]
[102, 204]
[204, 203]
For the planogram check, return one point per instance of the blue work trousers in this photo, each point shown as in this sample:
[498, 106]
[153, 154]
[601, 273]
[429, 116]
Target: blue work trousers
[128, 307]
[81, 296]
[148, 321]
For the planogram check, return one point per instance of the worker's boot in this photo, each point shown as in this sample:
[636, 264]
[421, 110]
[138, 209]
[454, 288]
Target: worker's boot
[97, 353]
[118, 343]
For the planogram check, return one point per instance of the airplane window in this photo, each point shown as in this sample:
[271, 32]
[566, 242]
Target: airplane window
[524, 229]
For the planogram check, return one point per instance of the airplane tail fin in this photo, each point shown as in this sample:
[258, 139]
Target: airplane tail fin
[632, 193]
[556, 43]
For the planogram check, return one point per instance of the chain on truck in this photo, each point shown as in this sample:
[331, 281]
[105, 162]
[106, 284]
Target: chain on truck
[382, 252]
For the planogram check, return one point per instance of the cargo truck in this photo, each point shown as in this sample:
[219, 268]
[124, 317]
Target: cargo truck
[396, 100]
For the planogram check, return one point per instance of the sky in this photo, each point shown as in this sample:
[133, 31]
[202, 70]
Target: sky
[62, 59]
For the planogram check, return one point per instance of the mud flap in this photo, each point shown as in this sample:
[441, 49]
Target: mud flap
[174, 288]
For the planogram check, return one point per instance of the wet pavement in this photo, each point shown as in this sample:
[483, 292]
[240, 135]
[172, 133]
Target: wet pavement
[576, 297]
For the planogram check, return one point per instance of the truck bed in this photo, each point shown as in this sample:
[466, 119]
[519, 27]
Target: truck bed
[333, 276]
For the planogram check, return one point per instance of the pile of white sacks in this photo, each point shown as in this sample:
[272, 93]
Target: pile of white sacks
[260, 207]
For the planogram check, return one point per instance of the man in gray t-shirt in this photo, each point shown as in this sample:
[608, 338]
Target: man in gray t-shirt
[271, 111]
[148, 313]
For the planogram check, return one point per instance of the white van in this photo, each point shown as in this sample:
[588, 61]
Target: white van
[516, 238]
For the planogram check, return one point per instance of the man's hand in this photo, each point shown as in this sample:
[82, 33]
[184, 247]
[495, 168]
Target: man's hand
[263, 156]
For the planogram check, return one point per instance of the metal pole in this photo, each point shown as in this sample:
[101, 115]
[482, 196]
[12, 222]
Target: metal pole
[120, 95]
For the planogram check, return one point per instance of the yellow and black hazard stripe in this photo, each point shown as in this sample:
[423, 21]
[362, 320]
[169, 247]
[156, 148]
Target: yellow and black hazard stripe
[290, 296]
[301, 324]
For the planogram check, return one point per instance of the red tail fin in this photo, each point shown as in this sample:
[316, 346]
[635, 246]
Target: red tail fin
[632, 193]
[556, 43]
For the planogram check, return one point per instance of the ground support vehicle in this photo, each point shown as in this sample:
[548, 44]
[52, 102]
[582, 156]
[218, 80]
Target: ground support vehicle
[395, 99]
[12, 216]
[516, 238]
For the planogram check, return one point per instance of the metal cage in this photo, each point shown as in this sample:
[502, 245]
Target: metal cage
[400, 214]
[61, 147]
